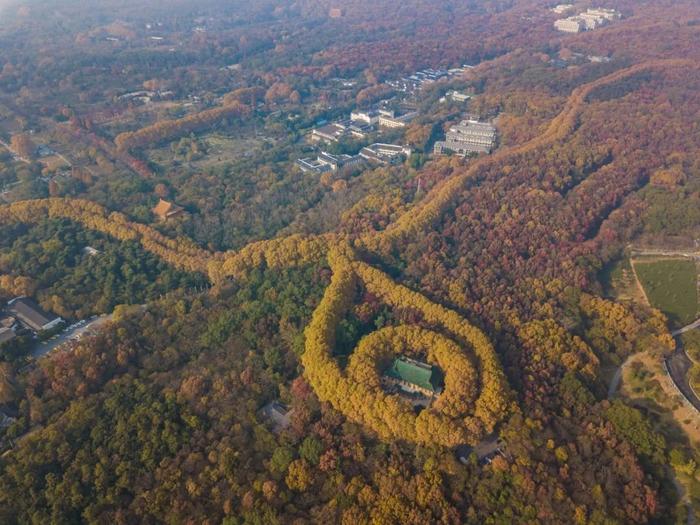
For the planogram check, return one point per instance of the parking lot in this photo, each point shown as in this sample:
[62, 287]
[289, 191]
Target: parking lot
[72, 333]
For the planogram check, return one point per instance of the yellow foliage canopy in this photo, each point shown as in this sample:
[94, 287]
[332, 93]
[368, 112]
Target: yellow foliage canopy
[457, 418]
[181, 253]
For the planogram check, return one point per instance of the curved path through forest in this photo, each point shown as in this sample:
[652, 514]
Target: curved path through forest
[617, 377]
[678, 366]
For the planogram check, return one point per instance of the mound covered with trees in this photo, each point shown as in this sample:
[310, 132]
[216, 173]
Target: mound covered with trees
[459, 416]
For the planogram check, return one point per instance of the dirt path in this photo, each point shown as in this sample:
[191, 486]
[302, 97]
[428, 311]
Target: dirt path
[617, 377]
[664, 253]
[642, 292]
[8, 148]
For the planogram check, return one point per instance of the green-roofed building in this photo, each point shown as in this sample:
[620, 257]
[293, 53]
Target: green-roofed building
[414, 377]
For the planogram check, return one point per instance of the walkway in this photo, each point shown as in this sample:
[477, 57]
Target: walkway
[665, 253]
[617, 377]
[691, 326]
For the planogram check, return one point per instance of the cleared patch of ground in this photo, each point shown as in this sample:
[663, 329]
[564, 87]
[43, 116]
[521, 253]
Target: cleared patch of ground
[218, 149]
[670, 285]
[620, 282]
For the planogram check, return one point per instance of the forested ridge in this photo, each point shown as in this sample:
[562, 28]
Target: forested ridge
[488, 268]
[171, 129]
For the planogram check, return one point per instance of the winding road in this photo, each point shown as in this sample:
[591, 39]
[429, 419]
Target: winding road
[678, 366]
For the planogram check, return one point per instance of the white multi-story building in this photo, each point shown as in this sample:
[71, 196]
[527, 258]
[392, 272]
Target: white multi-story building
[469, 136]
[458, 96]
[562, 8]
[607, 14]
[385, 153]
[392, 122]
[572, 24]
[370, 117]
[587, 21]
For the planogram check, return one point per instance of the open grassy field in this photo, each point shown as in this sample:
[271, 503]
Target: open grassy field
[220, 149]
[671, 286]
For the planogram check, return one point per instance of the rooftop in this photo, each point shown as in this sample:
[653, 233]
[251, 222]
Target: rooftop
[165, 209]
[32, 314]
[416, 373]
[278, 414]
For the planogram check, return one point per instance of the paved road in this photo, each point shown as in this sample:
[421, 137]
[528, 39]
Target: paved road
[69, 335]
[691, 326]
[678, 366]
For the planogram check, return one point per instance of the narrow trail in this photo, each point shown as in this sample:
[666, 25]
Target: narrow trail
[638, 283]
[8, 148]
[664, 253]
[617, 377]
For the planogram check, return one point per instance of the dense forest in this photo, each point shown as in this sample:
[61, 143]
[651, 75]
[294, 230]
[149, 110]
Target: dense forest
[273, 284]
[157, 418]
[75, 284]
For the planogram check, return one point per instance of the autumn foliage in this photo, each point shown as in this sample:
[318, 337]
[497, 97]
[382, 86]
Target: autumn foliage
[295, 250]
[461, 416]
[181, 253]
[170, 129]
[443, 196]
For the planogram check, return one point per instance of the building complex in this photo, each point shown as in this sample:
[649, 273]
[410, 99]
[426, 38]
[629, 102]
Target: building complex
[588, 20]
[327, 162]
[385, 153]
[469, 136]
[336, 131]
[424, 78]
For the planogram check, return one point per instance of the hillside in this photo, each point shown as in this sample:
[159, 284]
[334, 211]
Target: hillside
[273, 202]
